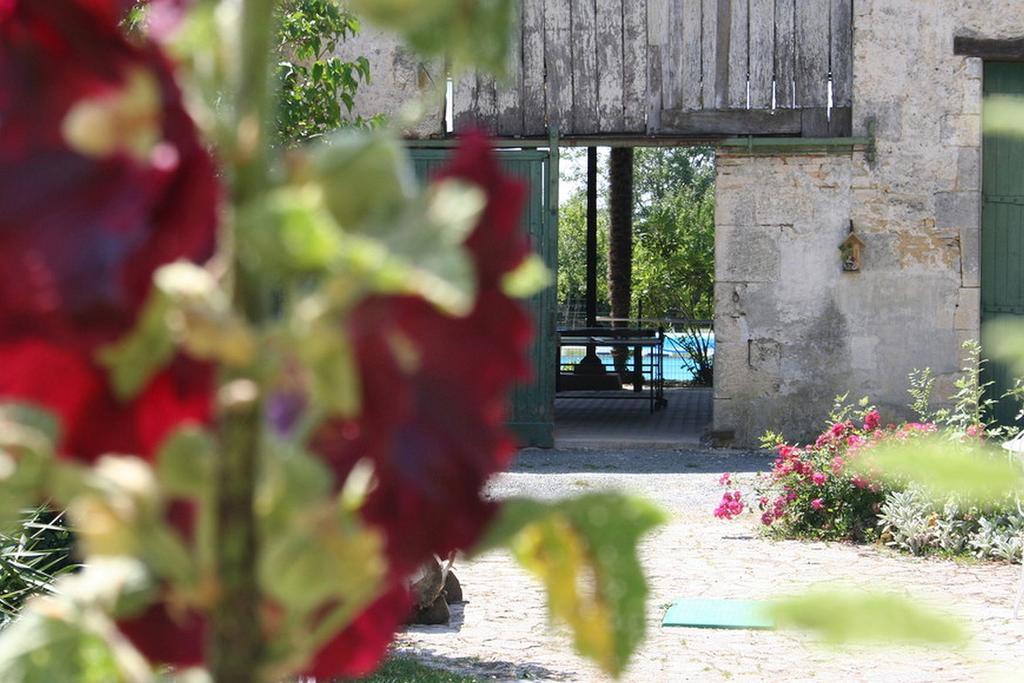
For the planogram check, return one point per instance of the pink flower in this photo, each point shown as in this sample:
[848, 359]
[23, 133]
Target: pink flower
[731, 505]
[786, 451]
[838, 429]
[854, 441]
[860, 482]
[837, 464]
[767, 519]
[817, 504]
[975, 431]
[819, 478]
[872, 420]
[725, 480]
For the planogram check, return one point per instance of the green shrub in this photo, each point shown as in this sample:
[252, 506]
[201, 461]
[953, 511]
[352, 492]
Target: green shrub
[31, 558]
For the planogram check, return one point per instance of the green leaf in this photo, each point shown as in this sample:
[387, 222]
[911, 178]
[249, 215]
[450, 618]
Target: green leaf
[943, 468]
[27, 441]
[132, 361]
[1003, 115]
[531, 277]
[585, 552]
[845, 617]
[68, 637]
[185, 463]
[366, 177]
[323, 558]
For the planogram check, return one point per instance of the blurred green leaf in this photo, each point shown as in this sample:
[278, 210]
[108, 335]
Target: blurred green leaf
[1004, 341]
[366, 177]
[68, 637]
[585, 552]
[326, 556]
[27, 442]
[846, 617]
[185, 462]
[1003, 115]
[467, 32]
[943, 468]
[532, 276]
[132, 361]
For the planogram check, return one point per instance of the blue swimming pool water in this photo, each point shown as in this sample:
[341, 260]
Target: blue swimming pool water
[676, 368]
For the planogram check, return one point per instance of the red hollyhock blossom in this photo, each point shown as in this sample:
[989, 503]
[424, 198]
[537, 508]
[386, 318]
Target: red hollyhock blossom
[433, 407]
[435, 429]
[356, 651]
[102, 174]
[102, 180]
[93, 421]
[166, 637]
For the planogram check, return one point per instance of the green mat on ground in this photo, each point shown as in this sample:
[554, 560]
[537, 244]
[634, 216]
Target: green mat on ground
[744, 614]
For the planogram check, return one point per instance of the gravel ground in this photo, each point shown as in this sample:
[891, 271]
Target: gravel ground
[503, 632]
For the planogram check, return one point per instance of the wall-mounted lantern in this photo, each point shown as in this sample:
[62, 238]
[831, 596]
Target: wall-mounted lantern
[850, 251]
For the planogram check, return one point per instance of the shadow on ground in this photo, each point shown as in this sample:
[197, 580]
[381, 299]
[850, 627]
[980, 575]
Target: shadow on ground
[638, 460]
[486, 669]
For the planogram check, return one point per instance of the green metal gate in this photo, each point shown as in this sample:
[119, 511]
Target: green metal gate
[1002, 229]
[532, 404]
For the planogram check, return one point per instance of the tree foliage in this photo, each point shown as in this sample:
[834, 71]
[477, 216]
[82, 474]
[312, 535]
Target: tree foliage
[317, 87]
[674, 226]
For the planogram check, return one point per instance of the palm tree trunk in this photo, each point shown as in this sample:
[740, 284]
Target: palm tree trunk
[620, 243]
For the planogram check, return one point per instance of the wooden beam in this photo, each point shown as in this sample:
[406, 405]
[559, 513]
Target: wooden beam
[1004, 50]
[731, 122]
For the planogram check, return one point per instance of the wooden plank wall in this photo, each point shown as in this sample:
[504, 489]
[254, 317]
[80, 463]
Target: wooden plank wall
[670, 67]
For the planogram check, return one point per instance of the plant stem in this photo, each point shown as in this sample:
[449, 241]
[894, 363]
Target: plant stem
[236, 639]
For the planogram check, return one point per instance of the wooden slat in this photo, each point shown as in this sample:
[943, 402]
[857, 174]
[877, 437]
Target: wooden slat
[464, 101]
[762, 52]
[812, 53]
[739, 54]
[634, 65]
[510, 89]
[785, 51]
[731, 122]
[658, 16]
[840, 123]
[487, 103]
[841, 52]
[584, 67]
[534, 101]
[713, 95]
[684, 81]
[558, 58]
[610, 66]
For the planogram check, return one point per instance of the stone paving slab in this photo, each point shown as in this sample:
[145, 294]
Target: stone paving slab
[503, 633]
[606, 419]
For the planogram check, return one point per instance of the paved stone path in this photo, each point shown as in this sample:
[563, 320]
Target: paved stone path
[599, 420]
[502, 633]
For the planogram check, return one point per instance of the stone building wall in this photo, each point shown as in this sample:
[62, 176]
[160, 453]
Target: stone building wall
[793, 330]
[398, 77]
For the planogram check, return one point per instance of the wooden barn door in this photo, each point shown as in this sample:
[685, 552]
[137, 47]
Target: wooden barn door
[1002, 231]
[532, 403]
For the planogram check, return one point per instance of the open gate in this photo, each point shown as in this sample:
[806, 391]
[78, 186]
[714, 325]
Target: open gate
[532, 403]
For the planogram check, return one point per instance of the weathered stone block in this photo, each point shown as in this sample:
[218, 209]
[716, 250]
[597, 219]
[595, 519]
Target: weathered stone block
[957, 209]
[968, 310]
[745, 254]
[968, 169]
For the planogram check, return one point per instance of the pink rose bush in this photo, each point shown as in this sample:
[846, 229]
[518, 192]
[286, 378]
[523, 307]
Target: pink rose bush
[813, 491]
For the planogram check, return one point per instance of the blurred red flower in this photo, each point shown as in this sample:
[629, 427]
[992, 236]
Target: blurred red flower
[434, 388]
[103, 179]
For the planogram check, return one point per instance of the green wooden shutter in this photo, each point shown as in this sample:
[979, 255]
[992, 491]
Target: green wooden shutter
[532, 403]
[1002, 230]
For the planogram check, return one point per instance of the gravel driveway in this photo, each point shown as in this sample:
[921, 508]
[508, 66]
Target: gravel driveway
[503, 632]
